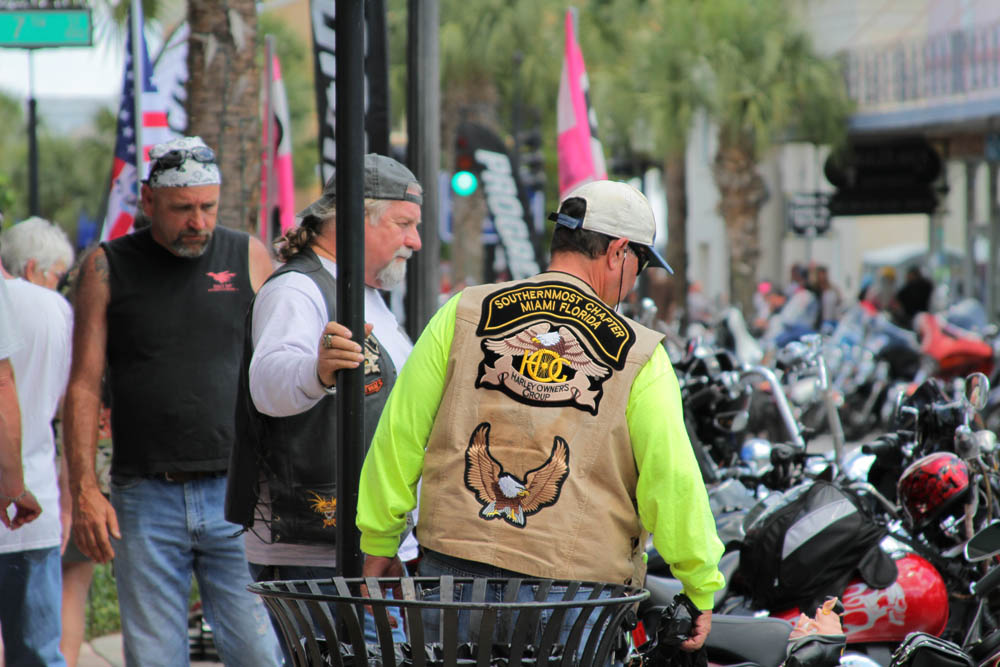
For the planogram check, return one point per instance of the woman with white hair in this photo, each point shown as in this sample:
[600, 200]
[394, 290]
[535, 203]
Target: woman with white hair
[36, 250]
[37, 253]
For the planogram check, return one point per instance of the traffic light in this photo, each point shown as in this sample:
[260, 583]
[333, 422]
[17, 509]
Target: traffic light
[465, 181]
[532, 160]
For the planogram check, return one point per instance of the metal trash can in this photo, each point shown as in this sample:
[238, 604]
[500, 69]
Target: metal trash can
[483, 622]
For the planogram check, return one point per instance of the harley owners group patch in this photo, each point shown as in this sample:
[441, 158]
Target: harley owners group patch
[553, 345]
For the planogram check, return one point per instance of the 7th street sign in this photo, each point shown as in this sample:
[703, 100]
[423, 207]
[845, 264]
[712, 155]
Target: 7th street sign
[38, 28]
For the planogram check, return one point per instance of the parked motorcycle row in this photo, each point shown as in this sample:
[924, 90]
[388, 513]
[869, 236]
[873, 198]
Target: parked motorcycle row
[903, 526]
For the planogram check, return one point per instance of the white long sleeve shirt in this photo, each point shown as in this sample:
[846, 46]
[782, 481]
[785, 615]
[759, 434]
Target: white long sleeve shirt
[288, 319]
[289, 315]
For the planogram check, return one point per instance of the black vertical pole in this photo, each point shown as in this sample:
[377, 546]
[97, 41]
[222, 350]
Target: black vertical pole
[350, 273]
[32, 138]
[424, 156]
[377, 78]
[515, 115]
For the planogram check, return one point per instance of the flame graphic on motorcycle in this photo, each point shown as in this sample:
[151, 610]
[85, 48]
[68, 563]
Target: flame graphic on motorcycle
[865, 606]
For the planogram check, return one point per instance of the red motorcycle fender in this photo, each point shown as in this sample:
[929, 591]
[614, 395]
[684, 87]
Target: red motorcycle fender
[916, 601]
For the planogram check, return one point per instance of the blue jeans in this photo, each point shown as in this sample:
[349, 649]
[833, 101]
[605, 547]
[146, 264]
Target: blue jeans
[169, 532]
[30, 604]
[435, 564]
[292, 572]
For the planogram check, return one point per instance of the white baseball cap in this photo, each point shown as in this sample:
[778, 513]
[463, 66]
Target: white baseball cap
[617, 210]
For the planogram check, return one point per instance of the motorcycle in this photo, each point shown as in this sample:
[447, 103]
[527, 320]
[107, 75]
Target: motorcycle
[665, 619]
[718, 393]
[946, 488]
[946, 491]
[880, 355]
[980, 646]
[949, 351]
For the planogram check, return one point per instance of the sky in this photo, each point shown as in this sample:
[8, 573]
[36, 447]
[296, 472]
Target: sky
[94, 71]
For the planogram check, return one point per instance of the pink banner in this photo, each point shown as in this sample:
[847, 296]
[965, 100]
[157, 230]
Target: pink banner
[581, 157]
[277, 193]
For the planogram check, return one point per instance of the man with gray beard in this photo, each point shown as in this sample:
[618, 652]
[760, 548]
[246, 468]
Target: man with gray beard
[282, 486]
[162, 309]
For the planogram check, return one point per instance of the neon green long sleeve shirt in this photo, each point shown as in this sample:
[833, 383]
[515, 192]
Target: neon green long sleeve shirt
[671, 497]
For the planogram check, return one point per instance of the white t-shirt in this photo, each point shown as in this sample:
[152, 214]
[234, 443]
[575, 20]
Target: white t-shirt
[8, 337]
[289, 314]
[44, 322]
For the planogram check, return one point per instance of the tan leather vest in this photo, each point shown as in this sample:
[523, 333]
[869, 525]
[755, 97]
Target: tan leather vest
[529, 465]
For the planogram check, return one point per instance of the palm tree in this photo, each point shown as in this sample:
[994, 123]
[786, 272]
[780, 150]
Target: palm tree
[768, 85]
[479, 71]
[667, 61]
[223, 90]
[222, 100]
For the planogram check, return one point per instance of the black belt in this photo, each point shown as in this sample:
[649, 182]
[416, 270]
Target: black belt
[182, 476]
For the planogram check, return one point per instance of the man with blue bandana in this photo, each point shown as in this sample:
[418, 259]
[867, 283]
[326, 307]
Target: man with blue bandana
[162, 309]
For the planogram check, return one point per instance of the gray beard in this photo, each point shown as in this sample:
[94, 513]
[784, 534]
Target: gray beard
[182, 249]
[391, 275]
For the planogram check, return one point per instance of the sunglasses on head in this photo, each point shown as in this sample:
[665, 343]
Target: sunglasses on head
[642, 255]
[175, 158]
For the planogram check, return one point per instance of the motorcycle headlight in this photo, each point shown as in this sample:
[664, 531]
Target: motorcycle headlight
[803, 391]
[756, 450]
[732, 422]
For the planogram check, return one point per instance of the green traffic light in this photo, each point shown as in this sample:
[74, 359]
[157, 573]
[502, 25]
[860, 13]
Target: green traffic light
[464, 183]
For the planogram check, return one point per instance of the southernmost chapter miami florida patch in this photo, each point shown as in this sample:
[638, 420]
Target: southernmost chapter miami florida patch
[550, 344]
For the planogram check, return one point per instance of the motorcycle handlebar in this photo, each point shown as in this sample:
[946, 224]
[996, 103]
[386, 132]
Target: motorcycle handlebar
[879, 447]
[702, 397]
[985, 586]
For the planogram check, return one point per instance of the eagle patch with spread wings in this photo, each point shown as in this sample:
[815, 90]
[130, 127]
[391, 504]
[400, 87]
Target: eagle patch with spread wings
[504, 496]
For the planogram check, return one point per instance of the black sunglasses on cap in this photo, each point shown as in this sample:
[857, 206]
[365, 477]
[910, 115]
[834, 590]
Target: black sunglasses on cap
[175, 158]
[642, 255]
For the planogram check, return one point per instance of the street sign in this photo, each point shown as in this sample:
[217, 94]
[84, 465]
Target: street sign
[38, 28]
[809, 213]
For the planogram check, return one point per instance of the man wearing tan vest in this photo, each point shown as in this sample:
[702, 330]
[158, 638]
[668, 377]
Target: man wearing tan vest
[546, 428]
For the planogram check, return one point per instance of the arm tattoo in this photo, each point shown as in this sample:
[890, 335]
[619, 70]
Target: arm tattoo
[101, 267]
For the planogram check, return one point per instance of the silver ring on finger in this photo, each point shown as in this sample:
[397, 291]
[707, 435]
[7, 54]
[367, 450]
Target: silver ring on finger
[328, 341]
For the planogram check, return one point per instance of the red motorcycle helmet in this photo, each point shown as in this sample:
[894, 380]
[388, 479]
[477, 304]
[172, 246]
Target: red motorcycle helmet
[931, 486]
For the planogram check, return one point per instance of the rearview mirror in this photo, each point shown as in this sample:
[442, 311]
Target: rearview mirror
[977, 391]
[984, 544]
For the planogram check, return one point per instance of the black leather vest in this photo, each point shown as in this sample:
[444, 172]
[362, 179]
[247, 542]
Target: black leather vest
[173, 349]
[297, 455]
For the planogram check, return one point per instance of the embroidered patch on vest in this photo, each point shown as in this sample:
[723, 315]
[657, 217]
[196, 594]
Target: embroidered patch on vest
[608, 333]
[372, 356]
[504, 496]
[539, 366]
[325, 506]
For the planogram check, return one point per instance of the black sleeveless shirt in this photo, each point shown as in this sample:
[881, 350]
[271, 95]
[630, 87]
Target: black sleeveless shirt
[175, 333]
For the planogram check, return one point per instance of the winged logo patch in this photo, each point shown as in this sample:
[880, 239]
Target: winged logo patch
[372, 355]
[503, 495]
[542, 366]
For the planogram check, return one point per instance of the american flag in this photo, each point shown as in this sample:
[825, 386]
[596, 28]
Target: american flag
[124, 196]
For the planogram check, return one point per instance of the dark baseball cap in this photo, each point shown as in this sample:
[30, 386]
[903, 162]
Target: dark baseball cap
[385, 178]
